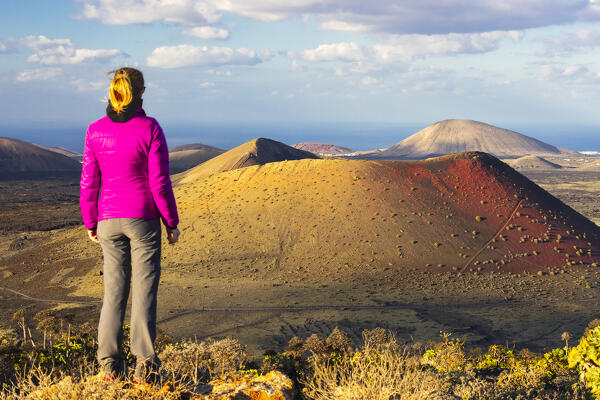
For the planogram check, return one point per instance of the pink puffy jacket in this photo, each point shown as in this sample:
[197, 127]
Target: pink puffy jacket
[125, 172]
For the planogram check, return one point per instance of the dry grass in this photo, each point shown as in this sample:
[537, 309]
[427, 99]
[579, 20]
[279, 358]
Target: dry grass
[323, 369]
[380, 372]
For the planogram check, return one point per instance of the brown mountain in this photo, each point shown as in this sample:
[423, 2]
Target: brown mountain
[17, 156]
[322, 148]
[255, 152]
[532, 162]
[182, 158]
[457, 135]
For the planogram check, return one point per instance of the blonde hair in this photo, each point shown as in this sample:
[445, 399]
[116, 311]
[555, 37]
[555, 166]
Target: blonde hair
[127, 83]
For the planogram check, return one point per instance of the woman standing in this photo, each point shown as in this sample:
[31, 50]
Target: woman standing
[125, 192]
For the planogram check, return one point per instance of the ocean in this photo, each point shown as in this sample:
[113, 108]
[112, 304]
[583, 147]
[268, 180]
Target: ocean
[356, 136]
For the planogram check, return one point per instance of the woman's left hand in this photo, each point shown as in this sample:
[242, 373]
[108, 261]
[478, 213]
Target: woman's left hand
[172, 235]
[93, 235]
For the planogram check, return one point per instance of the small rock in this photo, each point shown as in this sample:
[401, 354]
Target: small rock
[7, 274]
[272, 386]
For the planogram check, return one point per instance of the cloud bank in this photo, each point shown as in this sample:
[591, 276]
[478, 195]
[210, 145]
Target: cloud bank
[393, 16]
[406, 47]
[188, 55]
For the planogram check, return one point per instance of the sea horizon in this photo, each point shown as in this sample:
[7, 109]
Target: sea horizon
[357, 136]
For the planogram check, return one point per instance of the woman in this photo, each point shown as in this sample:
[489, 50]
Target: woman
[125, 189]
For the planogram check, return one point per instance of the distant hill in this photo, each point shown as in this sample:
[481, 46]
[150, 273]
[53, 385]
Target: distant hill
[61, 150]
[255, 152]
[182, 158]
[590, 166]
[457, 135]
[21, 157]
[322, 148]
[195, 146]
[532, 162]
[336, 220]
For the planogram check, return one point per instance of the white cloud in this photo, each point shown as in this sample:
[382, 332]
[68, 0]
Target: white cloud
[85, 85]
[207, 85]
[187, 55]
[369, 80]
[268, 11]
[406, 47]
[577, 42]
[298, 67]
[334, 52]
[123, 12]
[573, 81]
[570, 75]
[63, 51]
[344, 26]
[403, 48]
[207, 32]
[39, 74]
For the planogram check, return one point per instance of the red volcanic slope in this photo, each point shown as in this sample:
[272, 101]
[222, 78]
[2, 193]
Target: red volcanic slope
[528, 229]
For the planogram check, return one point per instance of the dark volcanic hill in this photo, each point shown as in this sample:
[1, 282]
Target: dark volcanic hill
[255, 152]
[457, 135]
[195, 146]
[322, 148]
[21, 157]
[182, 158]
[335, 219]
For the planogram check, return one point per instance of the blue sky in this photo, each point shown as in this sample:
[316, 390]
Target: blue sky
[510, 63]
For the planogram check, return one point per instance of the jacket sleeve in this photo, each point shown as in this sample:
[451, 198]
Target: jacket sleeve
[89, 186]
[160, 181]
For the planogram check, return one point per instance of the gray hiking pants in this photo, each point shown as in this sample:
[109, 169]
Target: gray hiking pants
[131, 248]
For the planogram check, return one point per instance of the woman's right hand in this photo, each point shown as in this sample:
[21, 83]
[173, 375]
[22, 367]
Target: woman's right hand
[93, 235]
[173, 235]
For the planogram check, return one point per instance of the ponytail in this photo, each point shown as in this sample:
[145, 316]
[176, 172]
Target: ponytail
[126, 84]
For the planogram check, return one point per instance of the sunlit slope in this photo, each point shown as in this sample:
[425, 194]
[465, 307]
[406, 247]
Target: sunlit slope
[591, 166]
[338, 219]
[458, 135]
[532, 162]
[255, 152]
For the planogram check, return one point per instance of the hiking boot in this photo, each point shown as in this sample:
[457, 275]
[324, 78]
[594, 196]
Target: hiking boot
[111, 371]
[146, 372]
